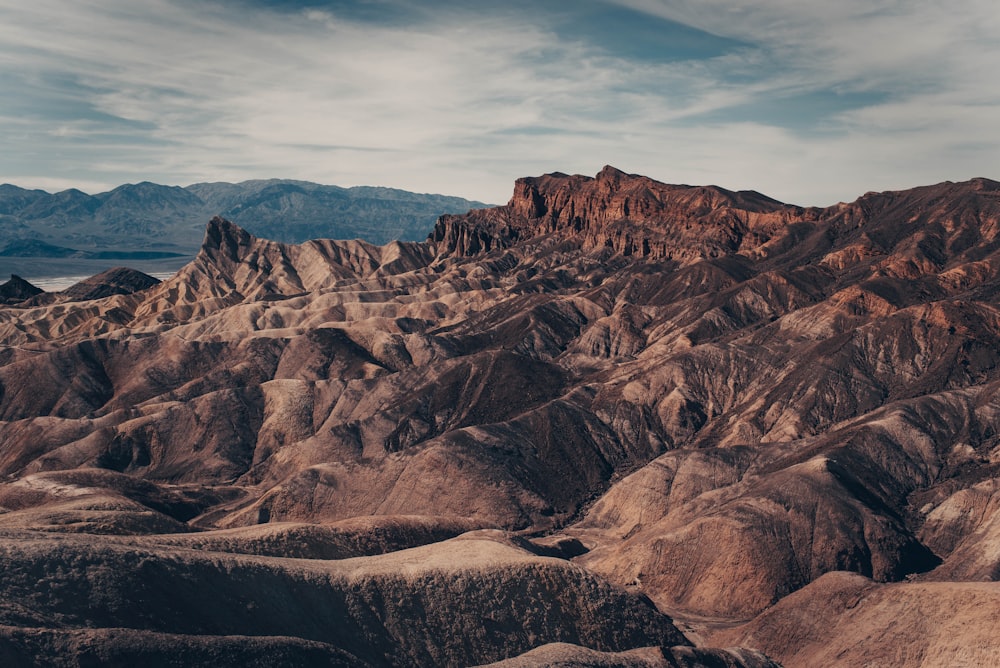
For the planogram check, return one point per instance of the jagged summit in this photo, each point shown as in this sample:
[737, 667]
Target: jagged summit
[637, 216]
[632, 214]
[226, 238]
[17, 290]
[232, 263]
[115, 281]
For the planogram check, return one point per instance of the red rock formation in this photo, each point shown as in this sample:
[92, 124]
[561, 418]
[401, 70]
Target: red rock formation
[633, 215]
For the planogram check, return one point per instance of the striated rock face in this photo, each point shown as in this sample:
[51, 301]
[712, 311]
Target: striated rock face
[704, 399]
[449, 604]
[633, 215]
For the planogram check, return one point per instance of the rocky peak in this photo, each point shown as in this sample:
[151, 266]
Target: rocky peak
[984, 185]
[115, 281]
[611, 174]
[17, 290]
[632, 214]
[224, 239]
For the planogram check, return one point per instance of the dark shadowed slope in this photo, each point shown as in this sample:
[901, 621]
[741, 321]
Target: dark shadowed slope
[17, 290]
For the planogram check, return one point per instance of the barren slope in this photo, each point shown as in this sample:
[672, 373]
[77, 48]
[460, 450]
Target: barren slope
[717, 397]
[466, 600]
[844, 619]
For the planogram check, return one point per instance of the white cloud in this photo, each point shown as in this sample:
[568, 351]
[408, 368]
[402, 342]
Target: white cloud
[53, 185]
[455, 105]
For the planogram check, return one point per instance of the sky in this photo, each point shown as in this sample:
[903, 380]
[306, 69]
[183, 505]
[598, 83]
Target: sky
[809, 102]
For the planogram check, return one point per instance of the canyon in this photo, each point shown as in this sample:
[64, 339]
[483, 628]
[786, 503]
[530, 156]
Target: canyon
[613, 422]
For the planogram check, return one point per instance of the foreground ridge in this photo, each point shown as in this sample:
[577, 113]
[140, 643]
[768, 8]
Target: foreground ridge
[723, 405]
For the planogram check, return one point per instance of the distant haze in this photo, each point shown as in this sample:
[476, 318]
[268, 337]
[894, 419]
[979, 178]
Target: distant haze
[811, 102]
[158, 228]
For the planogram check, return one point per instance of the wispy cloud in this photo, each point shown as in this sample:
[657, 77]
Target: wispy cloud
[808, 102]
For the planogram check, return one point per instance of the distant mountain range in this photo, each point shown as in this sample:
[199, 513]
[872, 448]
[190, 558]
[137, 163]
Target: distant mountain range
[148, 220]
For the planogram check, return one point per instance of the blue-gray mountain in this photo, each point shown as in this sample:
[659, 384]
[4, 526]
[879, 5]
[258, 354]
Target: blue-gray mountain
[149, 218]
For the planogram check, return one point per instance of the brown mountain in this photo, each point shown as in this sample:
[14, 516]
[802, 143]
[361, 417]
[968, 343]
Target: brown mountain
[17, 290]
[705, 399]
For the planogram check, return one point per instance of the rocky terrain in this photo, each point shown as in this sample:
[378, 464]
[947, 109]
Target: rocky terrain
[614, 422]
[17, 290]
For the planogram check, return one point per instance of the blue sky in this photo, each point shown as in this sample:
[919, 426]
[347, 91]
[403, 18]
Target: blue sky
[809, 102]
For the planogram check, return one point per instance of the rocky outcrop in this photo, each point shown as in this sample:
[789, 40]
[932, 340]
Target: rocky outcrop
[17, 290]
[117, 281]
[633, 215]
[471, 600]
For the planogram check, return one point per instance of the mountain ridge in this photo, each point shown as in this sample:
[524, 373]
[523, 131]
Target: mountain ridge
[147, 216]
[599, 208]
[711, 400]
